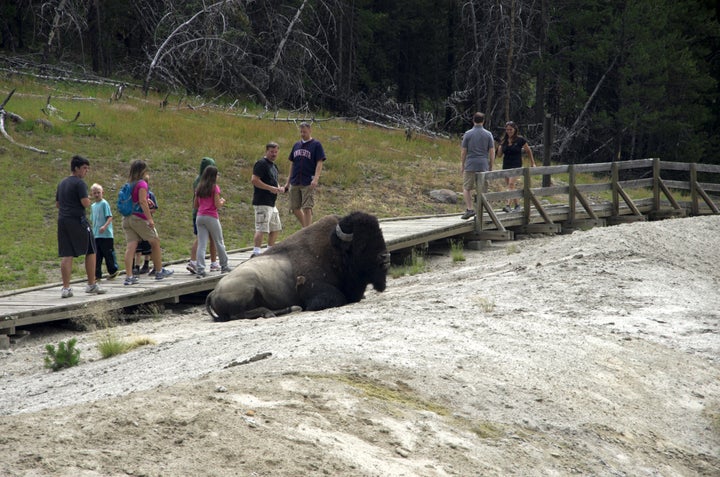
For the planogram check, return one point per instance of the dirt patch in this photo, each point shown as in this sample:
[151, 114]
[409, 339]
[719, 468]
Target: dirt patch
[594, 353]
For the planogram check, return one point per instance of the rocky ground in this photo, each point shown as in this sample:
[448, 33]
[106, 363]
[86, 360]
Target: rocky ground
[596, 353]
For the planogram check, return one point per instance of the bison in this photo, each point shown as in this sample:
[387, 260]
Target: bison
[325, 265]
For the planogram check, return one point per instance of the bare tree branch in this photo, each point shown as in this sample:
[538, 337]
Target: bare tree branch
[281, 45]
[159, 52]
[3, 114]
[573, 128]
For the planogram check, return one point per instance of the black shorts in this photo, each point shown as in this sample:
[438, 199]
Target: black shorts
[512, 164]
[143, 247]
[75, 237]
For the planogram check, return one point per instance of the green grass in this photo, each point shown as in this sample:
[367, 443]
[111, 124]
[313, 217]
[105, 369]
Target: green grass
[457, 251]
[414, 264]
[368, 168]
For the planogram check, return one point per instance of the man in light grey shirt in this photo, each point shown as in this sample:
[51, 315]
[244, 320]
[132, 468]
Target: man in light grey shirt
[477, 155]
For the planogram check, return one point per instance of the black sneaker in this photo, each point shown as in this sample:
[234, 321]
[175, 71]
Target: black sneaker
[468, 213]
[145, 268]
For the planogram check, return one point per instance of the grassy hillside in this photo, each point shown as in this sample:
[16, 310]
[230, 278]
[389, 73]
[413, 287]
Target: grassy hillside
[371, 169]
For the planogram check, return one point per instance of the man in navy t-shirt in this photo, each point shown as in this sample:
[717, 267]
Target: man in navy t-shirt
[307, 157]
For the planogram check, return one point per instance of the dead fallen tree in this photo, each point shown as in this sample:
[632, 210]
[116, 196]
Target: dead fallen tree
[51, 111]
[5, 114]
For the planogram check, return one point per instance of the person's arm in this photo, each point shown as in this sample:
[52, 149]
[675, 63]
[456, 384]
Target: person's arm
[143, 201]
[463, 155]
[491, 157]
[85, 201]
[287, 182]
[107, 223]
[257, 182]
[499, 151]
[316, 177]
[219, 201]
[529, 152]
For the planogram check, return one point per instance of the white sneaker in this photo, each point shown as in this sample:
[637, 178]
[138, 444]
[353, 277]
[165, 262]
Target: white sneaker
[66, 293]
[95, 289]
[215, 267]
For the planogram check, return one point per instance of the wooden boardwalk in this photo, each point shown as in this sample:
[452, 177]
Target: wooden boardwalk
[539, 214]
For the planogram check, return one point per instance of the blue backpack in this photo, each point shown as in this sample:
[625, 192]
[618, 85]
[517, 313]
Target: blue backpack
[125, 204]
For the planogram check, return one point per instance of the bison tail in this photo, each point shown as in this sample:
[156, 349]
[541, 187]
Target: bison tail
[210, 310]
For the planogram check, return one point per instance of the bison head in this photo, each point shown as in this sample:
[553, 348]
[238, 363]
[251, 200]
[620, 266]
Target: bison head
[365, 258]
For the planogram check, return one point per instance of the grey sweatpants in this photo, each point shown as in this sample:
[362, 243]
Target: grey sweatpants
[209, 227]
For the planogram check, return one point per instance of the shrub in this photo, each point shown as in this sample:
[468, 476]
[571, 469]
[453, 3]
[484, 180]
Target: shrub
[65, 356]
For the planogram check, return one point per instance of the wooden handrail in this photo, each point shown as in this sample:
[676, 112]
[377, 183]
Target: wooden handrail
[661, 189]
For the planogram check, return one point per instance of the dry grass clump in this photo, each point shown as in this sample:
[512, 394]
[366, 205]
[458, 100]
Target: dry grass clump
[110, 345]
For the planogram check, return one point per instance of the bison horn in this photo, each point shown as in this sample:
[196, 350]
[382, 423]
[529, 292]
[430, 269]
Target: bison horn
[342, 235]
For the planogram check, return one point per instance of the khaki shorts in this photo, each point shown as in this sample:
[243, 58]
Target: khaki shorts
[137, 229]
[302, 197]
[469, 181]
[267, 219]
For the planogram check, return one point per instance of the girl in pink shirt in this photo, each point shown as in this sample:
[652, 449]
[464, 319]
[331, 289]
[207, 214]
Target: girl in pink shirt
[207, 202]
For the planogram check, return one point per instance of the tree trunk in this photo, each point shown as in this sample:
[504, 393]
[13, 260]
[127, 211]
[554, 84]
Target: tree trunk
[55, 25]
[95, 37]
[540, 78]
[508, 66]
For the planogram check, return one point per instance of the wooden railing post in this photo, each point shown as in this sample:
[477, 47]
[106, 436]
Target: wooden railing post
[571, 193]
[615, 193]
[694, 205]
[527, 185]
[656, 184]
[547, 148]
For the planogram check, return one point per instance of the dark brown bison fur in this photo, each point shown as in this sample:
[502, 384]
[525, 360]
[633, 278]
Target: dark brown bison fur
[316, 268]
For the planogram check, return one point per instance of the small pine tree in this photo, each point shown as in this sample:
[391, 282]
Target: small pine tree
[65, 356]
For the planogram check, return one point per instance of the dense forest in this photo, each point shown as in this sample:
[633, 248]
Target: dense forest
[620, 79]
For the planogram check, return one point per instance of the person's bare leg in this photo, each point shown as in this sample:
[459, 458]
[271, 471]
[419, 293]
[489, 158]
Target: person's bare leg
[66, 270]
[258, 239]
[307, 217]
[300, 216]
[272, 238]
[511, 186]
[467, 194]
[193, 250]
[156, 254]
[90, 268]
[129, 256]
[213, 250]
